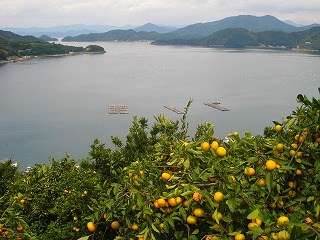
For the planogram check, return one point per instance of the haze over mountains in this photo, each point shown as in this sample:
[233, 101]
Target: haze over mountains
[249, 22]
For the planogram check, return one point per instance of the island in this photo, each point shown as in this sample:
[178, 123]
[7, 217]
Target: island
[14, 47]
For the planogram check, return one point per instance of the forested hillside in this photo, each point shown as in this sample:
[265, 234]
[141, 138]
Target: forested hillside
[240, 38]
[14, 45]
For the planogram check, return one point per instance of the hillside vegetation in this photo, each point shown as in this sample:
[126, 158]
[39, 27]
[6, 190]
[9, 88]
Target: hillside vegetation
[240, 38]
[14, 45]
[162, 184]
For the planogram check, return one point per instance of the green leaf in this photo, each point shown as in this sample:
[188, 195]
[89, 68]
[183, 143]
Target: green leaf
[84, 238]
[193, 237]
[154, 228]
[186, 164]
[183, 213]
[254, 214]
[231, 204]
[196, 231]
[291, 122]
[94, 201]
[227, 219]
[269, 180]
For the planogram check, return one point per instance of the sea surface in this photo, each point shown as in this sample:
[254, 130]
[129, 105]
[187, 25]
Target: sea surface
[50, 106]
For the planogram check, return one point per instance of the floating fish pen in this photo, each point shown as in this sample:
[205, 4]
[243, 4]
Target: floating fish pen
[123, 109]
[115, 109]
[216, 105]
[174, 109]
[112, 109]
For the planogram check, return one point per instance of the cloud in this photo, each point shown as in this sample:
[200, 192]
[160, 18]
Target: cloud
[170, 12]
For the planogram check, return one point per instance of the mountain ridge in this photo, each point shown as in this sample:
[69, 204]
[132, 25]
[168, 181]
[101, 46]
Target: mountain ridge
[196, 29]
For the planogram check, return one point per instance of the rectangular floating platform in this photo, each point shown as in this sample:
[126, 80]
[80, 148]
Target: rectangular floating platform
[174, 109]
[115, 109]
[123, 109]
[216, 105]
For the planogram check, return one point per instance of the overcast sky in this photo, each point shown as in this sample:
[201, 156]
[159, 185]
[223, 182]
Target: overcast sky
[47, 13]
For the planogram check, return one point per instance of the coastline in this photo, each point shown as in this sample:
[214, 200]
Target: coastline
[14, 59]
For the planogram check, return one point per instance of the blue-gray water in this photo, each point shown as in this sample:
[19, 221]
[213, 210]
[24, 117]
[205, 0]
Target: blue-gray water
[49, 106]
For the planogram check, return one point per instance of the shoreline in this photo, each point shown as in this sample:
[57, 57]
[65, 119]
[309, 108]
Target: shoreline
[14, 59]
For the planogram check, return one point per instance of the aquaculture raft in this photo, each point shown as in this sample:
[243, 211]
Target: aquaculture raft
[115, 109]
[216, 105]
[174, 109]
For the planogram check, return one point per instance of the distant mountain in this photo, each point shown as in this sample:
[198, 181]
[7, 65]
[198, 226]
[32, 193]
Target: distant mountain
[47, 38]
[114, 35]
[149, 27]
[293, 23]
[64, 30]
[17, 37]
[251, 23]
[198, 30]
[241, 38]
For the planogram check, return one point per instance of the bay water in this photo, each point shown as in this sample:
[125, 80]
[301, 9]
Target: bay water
[50, 106]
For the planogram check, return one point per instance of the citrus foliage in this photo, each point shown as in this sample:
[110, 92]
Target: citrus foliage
[160, 185]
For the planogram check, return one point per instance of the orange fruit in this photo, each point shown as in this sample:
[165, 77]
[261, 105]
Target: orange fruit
[278, 128]
[294, 146]
[239, 236]
[283, 235]
[280, 147]
[172, 202]
[292, 152]
[282, 220]
[198, 212]
[115, 225]
[135, 227]
[91, 227]
[218, 196]
[20, 228]
[318, 140]
[197, 197]
[261, 182]
[249, 171]
[301, 139]
[219, 216]
[166, 176]
[221, 152]
[291, 184]
[257, 221]
[178, 200]
[185, 203]
[205, 146]
[280, 204]
[271, 165]
[263, 237]
[214, 145]
[192, 220]
[308, 220]
[252, 225]
[161, 202]
[298, 172]
[156, 205]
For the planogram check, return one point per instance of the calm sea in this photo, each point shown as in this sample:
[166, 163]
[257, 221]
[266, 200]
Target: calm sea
[50, 106]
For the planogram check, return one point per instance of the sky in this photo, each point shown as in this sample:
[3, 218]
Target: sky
[49, 13]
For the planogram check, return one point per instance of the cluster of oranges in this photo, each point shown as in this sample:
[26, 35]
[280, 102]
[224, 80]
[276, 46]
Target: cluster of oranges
[220, 151]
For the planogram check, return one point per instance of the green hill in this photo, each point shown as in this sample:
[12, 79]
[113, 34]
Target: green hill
[14, 45]
[240, 38]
